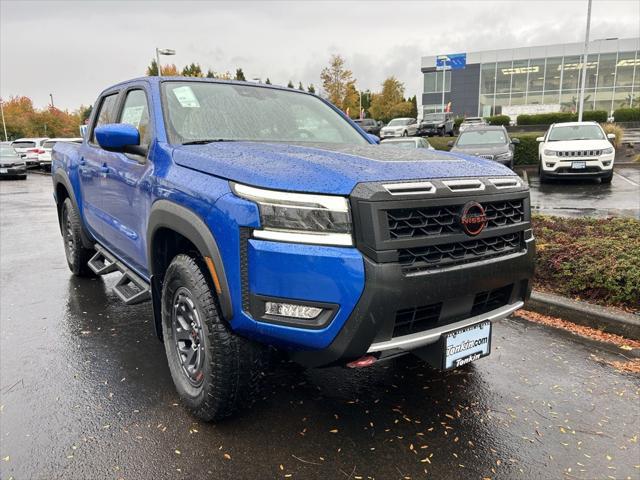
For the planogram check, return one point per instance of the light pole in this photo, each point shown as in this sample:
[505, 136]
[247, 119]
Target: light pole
[51, 95]
[162, 51]
[583, 80]
[4, 125]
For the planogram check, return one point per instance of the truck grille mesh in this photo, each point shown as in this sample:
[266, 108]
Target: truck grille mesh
[431, 221]
[580, 153]
[455, 253]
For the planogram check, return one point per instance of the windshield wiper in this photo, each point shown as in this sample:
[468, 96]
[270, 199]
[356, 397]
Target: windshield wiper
[207, 140]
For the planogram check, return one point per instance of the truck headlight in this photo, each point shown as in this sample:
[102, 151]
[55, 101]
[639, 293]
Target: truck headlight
[549, 153]
[299, 217]
[504, 156]
[607, 151]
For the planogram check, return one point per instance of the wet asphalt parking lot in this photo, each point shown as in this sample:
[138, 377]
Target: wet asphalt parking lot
[85, 393]
[579, 198]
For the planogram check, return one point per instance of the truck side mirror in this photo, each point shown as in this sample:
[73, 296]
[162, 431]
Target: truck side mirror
[117, 136]
[611, 136]
[540, 139]
[450, 143]
[515, 141]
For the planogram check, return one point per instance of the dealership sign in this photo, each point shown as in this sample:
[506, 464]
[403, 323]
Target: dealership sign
[453, 61]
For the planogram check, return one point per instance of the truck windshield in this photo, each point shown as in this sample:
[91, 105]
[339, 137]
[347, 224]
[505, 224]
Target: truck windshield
[208, 111]
[576, 132]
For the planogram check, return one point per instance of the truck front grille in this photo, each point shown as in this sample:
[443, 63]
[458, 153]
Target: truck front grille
[456, 253]
[431, 221]
[416, 319]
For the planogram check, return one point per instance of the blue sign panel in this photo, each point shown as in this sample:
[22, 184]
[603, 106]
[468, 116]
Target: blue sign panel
[454, 61]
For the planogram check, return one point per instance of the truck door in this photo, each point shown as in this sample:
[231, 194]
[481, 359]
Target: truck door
[127, 197]
[90, 169]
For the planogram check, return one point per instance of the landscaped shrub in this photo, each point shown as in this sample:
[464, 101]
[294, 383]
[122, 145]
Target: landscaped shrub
[593, 259]
[498, 120]
[526, 152]
[617, 130]
[558, 117]
[457, 122]
[627, 115]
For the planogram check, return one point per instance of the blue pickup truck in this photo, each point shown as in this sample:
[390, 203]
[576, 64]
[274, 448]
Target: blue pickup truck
[258, 219]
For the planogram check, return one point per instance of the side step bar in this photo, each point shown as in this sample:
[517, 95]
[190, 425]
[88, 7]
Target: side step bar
[131, 289]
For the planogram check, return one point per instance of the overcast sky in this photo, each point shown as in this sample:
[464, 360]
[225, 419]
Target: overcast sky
[73, 49]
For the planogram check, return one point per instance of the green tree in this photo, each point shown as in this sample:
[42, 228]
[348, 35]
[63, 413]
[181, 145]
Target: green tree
[414, 107]
[267, 81]
[311, 88]
[192, 70]
[290, 84]
[85, 113]
[211, 73]
[338, 82]
[382, 104]
[300, 87]
[152, 69]
[351, 101]
[240, 75]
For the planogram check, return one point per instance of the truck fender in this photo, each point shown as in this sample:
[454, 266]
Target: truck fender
[60, 177]
[169, 215]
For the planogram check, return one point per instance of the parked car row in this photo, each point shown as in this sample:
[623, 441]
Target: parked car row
[36, 152]
[11, 164]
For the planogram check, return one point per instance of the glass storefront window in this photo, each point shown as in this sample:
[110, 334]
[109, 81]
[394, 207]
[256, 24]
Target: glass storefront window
[552, 74]
[534, 98]
[570, 74]
[519, 73]
[603, 98]
[626, 62]
[517, 98]
[501, 101]
[551, 98]
[592, 70]
[569, 101]
[503, 77]
[606, 70]
[433, 82]
[487, 78]
[536, 74]
[622, 98]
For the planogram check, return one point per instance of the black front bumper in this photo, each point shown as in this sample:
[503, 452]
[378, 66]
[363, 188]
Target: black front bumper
[576, 174]
[389, 290]
[14, 171]
[424, 131]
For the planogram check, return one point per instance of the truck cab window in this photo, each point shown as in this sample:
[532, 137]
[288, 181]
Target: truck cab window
[106, 114]
[136, 112]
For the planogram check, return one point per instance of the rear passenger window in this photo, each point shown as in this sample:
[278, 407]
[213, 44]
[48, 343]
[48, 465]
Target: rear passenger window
[136, 112]
[106, 114]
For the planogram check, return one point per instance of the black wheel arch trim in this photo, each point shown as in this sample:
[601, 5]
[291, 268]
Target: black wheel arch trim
[170, 215]
[60, 177]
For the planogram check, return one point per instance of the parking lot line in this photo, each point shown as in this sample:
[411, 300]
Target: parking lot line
[626, 179]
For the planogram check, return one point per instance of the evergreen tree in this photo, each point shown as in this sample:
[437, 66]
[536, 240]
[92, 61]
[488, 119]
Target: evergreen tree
[267, 81]
[300, 87]
[240, 75]
[290, 84]
[311, 88]
[211, 74]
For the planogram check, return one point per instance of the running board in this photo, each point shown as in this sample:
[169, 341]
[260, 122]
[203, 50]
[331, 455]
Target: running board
[131, 289]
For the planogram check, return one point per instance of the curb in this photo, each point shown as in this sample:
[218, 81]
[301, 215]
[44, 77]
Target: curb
[587, 314]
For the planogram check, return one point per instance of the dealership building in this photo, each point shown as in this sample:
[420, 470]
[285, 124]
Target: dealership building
[536, 79]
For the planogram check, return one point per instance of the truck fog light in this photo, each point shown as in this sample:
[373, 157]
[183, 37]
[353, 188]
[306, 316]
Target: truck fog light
[293, 311]
[606, 163]
[550, 164]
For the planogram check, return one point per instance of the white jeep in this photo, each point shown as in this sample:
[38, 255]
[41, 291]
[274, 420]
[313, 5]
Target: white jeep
[576, 150]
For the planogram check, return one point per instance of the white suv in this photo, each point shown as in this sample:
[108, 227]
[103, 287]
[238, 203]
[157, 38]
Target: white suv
[29, 148]
[576, 150]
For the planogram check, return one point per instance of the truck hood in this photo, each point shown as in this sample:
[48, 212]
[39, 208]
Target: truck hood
[572, 145]
[327, 168]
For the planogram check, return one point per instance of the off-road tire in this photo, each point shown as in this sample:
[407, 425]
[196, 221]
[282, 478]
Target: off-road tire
[77, 255]
[541, 176]
[607, 180]
[232, 366]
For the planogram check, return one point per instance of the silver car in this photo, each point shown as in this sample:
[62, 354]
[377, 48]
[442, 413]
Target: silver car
[11, 165]
[400, 127]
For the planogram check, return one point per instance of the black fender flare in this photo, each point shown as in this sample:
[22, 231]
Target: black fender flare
[170, 215]
[60, 177]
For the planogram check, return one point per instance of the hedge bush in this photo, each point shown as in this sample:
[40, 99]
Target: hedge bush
[558, 117]
[627, 115]
[498, 120]
[617, 130]
[594, 259]
[526, 152]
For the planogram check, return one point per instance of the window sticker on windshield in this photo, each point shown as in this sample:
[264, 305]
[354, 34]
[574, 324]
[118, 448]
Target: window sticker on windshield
[133, 115]
[186, 97]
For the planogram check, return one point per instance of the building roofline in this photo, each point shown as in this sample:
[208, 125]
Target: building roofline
[542, 51]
